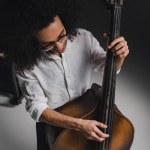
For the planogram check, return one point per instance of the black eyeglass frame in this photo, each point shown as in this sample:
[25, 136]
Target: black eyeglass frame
[52, 44]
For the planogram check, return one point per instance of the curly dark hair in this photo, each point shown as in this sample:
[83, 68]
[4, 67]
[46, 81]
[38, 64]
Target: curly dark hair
[20, 19]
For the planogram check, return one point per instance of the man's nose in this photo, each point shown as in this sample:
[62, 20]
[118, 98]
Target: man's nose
[59, 45]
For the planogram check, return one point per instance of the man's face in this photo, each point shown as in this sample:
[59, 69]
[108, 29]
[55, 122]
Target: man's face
[53, 37]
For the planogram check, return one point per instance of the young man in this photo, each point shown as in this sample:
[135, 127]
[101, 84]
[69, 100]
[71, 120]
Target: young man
[54, 63]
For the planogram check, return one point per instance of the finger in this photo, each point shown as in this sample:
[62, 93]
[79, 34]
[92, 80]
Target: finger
[101, 125]
[120, 51]
[100, 133]
[97, 138]
[114, 42]
[123, 55]
[120, 45]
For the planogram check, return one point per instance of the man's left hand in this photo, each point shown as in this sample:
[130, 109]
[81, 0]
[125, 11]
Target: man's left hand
[119, 47]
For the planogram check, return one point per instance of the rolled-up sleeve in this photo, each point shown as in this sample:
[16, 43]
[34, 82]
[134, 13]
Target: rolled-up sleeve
[36, 101]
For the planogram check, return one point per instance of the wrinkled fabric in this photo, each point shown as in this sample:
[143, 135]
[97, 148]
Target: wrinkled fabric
[58, 80]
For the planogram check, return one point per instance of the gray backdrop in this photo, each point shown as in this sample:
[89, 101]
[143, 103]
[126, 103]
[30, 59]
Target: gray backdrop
[17, 129]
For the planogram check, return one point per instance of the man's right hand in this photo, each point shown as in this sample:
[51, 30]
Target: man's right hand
[90, 129]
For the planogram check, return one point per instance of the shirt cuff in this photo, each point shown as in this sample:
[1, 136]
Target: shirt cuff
[37, 111]
[118, 71]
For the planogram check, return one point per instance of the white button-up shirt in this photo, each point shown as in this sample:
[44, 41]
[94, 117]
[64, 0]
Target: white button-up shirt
[58, 80]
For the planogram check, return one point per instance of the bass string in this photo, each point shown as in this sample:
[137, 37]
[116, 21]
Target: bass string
[117, 16]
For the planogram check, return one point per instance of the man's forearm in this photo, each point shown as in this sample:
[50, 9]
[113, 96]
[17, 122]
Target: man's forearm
[52, 117]
[89, 128]
[119, 63]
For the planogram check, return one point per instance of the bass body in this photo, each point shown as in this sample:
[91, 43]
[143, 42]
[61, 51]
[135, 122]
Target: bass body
[86, 107]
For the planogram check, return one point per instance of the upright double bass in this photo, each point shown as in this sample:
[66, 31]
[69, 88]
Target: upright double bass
[97, 103]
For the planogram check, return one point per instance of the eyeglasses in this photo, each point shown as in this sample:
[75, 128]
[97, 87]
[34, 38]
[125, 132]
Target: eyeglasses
[49, 46]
